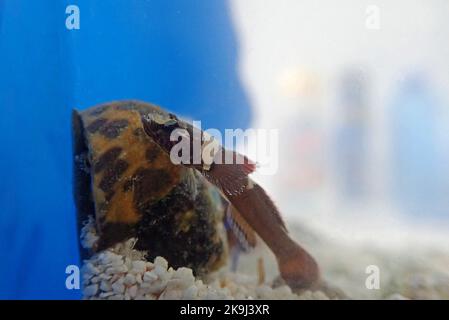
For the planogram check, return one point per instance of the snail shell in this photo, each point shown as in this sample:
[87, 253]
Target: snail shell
[124, 180]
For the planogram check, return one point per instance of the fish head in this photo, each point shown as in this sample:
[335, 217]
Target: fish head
[160, 127]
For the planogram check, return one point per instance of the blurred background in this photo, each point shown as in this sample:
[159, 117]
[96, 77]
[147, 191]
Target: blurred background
[358, 90]
[359, 93]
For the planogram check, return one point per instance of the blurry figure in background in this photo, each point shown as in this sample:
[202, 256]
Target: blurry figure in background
[419, 172]
[303, 123]
[179, 54]
[351, 143]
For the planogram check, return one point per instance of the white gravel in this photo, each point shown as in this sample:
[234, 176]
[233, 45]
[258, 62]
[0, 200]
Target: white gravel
[406, 273]
[121, 273]
[111, 275]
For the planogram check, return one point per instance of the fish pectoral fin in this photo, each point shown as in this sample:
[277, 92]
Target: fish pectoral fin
[245, 236]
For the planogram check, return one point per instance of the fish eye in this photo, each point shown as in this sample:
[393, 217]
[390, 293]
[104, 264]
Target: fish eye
[170, 123]
[157, 118]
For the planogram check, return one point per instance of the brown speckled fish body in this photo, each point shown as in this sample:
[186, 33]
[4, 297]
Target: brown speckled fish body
[130, 186]
[252, 204]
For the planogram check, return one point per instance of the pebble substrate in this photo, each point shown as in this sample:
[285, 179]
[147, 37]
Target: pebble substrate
[122, 273]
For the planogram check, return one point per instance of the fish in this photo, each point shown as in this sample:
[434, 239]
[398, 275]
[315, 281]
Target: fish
[230, 172]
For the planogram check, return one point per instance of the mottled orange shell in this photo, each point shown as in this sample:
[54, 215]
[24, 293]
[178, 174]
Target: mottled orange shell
[131, 187]
[139, 166]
